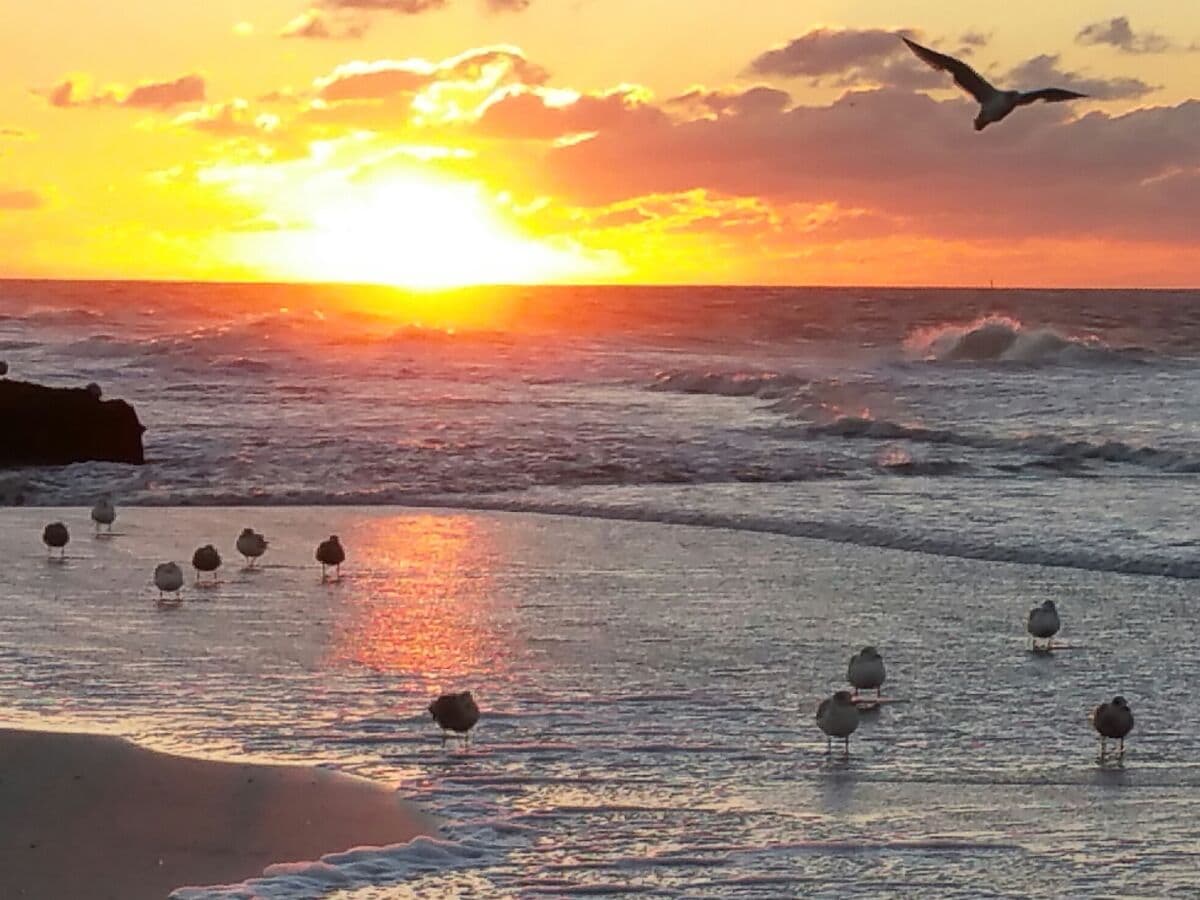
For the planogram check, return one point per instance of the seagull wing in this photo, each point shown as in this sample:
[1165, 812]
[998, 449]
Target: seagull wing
[964, 76]
[1050, 95]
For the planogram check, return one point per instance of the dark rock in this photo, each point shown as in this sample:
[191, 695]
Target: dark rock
[47, 426]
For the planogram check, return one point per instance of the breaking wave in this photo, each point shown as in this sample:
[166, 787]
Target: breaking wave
[998, 338]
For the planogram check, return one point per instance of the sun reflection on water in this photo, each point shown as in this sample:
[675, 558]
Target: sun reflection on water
[429, 607]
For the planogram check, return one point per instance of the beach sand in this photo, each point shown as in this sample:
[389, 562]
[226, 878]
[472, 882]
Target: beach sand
[91, 817]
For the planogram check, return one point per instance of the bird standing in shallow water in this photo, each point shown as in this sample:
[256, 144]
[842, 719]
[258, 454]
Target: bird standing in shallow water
[251, 545]
[866, 671]
[168, 578]
[994, 104]
[1043, 623]
[838, 717]
[330, 553]
[55, 537]
[104, 513]
[455, 712]
[1113, 720]
[206, 559]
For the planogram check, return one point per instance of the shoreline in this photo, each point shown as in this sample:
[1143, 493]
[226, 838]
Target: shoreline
[97, 816]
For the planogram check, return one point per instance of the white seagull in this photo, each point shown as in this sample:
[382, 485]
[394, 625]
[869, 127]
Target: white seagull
[104, 513]
[251, 545]
[866, 671]
[838, 717]
[330, 553]
[55, 537]
[994, 103]
[168, 578]
[1043, 623]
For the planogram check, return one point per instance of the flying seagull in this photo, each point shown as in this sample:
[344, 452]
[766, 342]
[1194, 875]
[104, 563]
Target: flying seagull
[994, 104]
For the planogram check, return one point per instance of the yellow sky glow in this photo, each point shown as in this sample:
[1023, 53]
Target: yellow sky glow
[598, 142]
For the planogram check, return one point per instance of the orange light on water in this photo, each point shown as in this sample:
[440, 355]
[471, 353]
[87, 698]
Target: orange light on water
[430, 611]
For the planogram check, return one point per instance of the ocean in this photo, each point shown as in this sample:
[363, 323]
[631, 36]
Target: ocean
[647, 526]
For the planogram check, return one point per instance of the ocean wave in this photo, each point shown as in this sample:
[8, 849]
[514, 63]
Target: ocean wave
[763, 385]
[884, 537]
[1052, 449]
[1003, 339]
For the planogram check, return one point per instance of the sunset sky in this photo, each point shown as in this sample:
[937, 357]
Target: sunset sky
[440, 142]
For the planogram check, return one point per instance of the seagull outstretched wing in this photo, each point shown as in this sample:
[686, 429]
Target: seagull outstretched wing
[1050, 95]
[964, 76]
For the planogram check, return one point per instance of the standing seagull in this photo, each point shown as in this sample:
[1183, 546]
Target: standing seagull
[55, 537]
[994, 104]
[251, 545]
[838, 717]
[455, 712]
[104, 513]
[206, 559]
[1043, 623]
[1113, 720]
[866, 671]
[168, 578]
[330, 553]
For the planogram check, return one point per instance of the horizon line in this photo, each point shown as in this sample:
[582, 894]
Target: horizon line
[673, 285]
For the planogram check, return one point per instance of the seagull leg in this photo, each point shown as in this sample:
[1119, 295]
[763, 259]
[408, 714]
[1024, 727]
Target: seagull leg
[1103, 748]
[828, 746]
[847, 753]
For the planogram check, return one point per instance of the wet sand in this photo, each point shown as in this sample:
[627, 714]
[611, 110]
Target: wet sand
[95, 817]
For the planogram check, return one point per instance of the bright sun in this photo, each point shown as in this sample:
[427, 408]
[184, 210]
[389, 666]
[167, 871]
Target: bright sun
[405, 229]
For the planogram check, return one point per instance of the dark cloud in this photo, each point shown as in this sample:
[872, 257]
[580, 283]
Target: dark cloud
[824, 52]
[756, 100]
[524, 114]
[1043, 71]
[1120, 34]
[148, 95]
[20, 199]
[349, 19]
[910, 159]
[316, 25]
[848, 57]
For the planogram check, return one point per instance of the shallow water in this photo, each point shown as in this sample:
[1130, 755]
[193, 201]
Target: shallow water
[648, 692]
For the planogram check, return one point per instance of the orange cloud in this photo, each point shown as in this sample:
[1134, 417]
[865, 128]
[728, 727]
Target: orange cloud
[20, 199]
[147, 95]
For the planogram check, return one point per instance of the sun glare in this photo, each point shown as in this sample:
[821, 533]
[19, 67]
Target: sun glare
[411, 231]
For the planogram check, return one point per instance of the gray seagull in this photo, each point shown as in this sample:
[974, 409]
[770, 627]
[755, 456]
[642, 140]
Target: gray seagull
[994, 104]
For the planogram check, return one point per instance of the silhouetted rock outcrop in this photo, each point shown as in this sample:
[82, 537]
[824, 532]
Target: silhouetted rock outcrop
[45, 426]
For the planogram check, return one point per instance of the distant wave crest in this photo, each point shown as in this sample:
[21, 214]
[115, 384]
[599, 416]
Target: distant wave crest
[1050, 447]
[764, 385]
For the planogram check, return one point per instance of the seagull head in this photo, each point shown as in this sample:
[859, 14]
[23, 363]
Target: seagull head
[1120, 701]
